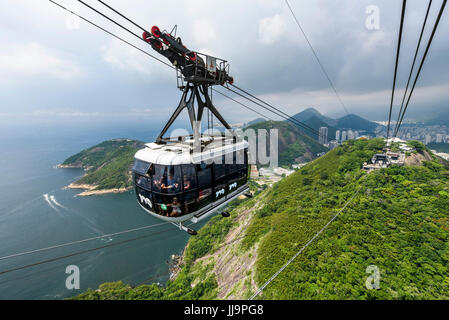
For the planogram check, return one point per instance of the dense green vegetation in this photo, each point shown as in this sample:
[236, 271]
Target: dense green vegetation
[398, 221]
[293, 144]
[107, 164]
[176, 290]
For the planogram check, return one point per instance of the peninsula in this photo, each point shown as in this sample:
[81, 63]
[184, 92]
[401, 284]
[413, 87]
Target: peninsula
[107, 167]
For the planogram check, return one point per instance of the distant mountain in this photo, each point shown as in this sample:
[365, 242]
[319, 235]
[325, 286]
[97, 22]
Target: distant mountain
[315, 119]
[255, 121]
[310, 113]
[316, 123]
[294, 145]
[355, 122]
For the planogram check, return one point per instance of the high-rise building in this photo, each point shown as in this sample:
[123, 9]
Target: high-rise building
[439, 137]
[337, 135]
[351, 135]
[323, 135]
[343, 136]
[333, 144]
[428, 139]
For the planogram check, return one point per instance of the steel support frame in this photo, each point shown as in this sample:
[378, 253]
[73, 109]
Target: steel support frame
[192, 93]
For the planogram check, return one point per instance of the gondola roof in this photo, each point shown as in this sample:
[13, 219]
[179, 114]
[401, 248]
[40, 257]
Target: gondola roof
[183, 152]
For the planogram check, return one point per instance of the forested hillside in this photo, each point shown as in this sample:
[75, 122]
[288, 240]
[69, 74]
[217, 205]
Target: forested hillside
[293, 144]
[107, 164]
[398, 222]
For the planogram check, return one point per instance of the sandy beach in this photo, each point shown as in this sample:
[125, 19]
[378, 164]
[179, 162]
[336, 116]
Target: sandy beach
[90, 190]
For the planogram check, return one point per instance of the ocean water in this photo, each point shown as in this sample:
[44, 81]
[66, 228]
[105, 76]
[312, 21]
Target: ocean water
[36, 212]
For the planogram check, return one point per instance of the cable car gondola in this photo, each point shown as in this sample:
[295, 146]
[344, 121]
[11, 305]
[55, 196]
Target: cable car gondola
[190, 177]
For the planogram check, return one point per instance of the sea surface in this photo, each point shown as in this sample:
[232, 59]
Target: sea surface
[37, 212]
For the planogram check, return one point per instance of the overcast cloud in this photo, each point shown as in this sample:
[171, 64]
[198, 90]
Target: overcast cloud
[55, 67]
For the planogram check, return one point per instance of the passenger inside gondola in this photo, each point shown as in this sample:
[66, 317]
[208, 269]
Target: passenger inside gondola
[150, 170]
[176, 208]
[170, 183]
[186, 181]
[157, 183]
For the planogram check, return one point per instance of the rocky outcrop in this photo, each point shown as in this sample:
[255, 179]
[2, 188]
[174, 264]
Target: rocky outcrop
[234, 267]
[416, 159]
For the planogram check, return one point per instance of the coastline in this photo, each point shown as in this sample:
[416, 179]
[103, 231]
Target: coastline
[72, 166]
[90, 190]
[68, 166]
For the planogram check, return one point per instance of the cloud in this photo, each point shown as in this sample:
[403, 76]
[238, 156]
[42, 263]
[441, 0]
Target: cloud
[49, 113]
[271, 29]
[33, 59]
[130, 60]
[375, 39]
[64, 113]
[267, 53]
[203, 32]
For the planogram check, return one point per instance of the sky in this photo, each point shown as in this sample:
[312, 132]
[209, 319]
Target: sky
[54, 68]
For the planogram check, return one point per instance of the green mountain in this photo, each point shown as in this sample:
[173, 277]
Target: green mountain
[107, 164]
[396, 222]
[293, 144]
[317, 123]
[255, 121]
[315, 119]
[355, 122]
[309, 113]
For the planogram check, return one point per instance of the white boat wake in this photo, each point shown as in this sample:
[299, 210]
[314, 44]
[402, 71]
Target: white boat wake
[50, 203]
[54, 204]
[53, 199]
